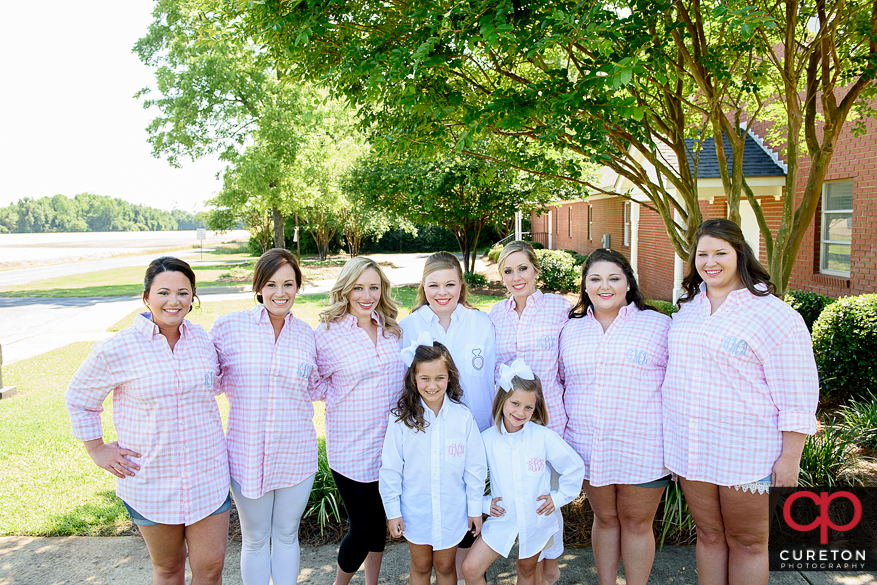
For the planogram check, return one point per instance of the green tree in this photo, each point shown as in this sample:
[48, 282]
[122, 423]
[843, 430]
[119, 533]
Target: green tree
[621, 84]
[459, 192]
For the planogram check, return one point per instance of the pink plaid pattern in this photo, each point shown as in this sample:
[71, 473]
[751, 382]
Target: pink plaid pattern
[735, 380]
[360, 382]
[612, 395]
[534, 338]
[271, 439]
[163, 408]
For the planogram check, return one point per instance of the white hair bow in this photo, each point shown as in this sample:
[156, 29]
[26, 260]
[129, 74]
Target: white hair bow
[519, 369]
[425, 338]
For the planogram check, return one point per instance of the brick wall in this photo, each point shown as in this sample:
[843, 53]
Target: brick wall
[655, 257]
[608, 217]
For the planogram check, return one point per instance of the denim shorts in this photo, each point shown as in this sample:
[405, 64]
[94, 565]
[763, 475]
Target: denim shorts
[139, 520]
[658, 483]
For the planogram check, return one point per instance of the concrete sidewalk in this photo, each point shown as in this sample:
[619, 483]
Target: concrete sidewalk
[125, 561]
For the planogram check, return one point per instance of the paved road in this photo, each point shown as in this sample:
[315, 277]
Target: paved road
[32, 326]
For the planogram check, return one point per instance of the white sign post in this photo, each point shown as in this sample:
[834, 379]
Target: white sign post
[5, 391]
[202, 235]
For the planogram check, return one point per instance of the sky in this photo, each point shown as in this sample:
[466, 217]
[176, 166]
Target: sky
[70, 123]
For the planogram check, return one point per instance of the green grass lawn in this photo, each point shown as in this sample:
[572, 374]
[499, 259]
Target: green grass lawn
[48, 484]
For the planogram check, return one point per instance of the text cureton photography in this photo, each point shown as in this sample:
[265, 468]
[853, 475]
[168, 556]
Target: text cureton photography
[824, 529]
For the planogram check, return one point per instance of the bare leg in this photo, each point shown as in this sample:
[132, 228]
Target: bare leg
[444, 561]
[527, 570]
[167, 550]
[461, 556]
[606, 532]
[373, 567]
[636, 514]
[421, 563]
[712, 549]
[480, 557]
[207, 540]
[747, 524]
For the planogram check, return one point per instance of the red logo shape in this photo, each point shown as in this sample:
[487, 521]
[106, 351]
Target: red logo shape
[823, 500]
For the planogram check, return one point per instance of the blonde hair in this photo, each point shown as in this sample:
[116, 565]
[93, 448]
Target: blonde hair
[436, 262]
[519, 246]
[540, 412]
[339, 305]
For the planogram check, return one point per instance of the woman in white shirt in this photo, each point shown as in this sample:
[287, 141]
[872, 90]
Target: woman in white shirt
[441, 309]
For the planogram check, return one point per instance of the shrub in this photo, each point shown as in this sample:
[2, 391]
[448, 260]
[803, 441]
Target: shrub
[665, 307]
[827, 458]
[559, 271]
[577, 258]
[860, 418]
[493, 254]
[537, 245]
[677, 526]
[474, 280]
[845, 347]
[325, 501]
[809, 304]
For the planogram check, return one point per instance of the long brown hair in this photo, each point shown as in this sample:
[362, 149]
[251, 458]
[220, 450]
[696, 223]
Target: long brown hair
[436, 262]
[408, 408]
[634, 294]
[540, 412]
[752, 274]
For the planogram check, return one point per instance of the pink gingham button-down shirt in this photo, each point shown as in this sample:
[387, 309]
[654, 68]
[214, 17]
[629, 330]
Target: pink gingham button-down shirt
[534, 338]
[735, 381]
[359, 381]
[163, 408]
[271, 439]
[612, 395]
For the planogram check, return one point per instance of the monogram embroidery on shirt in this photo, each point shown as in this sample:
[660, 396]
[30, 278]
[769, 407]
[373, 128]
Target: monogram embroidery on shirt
[477, 359]
[536, 464]
[304, 370]
[456, 450]
[208, 380]
[637, 356]
[545, 342]
[735, 347]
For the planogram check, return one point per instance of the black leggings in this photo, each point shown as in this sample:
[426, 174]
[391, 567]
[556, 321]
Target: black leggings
[368, 522]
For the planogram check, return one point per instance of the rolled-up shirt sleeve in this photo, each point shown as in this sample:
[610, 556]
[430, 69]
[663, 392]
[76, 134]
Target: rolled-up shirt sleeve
[793, 382]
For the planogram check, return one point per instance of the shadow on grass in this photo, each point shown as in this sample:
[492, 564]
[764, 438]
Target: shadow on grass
[104, 517]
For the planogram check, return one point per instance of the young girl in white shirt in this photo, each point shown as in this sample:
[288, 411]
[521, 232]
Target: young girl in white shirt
[521, 503]
[433, 464]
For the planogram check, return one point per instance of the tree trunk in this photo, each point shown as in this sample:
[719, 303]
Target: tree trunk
[279, 241]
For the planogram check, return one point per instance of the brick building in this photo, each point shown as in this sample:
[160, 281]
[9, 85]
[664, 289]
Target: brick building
[837, 257]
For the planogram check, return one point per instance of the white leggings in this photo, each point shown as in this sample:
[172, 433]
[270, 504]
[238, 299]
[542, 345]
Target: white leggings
[274, 516]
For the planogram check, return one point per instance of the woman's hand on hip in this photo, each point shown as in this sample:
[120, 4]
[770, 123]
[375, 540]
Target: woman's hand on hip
[112, 457]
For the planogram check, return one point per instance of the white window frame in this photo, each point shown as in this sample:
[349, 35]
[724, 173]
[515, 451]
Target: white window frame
[627, 223]
[569, 218]
[822, 232]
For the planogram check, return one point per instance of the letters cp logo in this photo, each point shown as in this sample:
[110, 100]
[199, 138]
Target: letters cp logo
[822, 501]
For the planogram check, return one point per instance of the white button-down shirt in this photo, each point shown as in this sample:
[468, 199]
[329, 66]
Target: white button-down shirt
[519, 474]
[164, 408]
[271, 438]
[736, 379]
[533, 337]
[471, 339]
[613, 394]
[434, 480]
[360, 382]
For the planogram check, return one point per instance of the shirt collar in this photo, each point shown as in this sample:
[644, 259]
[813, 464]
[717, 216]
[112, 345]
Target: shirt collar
[430, 316]
[260, 315]
[534, 300]
[350, 321]
[430, 415]
[144, 325]
[513, 436]
[624, 313]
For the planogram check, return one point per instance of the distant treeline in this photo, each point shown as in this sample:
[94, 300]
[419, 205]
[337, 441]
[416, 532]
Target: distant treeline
[87, 212]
